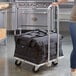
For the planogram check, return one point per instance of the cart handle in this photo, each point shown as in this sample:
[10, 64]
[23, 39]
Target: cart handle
[50, 6]
[48, 22]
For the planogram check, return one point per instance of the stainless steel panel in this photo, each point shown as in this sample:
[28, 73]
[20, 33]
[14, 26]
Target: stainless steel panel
[35, 0]
[33, 4]
[1, 19]
[36, 18]
[32, 13]
[3, 0]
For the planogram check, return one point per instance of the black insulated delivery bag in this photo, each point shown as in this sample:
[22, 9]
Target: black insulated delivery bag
[32, 46]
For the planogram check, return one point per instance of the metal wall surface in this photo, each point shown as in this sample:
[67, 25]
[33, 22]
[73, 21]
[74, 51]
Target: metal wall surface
[31, 14]
[3, 0]
[6, 0]
[1, 20]
[35, 0]
[11, 18]
[37, 17]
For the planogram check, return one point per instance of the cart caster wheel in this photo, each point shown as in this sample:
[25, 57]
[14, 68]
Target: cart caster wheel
[18, 63]
[35, 70]
[54, 63]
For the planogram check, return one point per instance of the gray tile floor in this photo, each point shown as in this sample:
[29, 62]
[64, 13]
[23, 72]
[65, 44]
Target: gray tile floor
[8, 68]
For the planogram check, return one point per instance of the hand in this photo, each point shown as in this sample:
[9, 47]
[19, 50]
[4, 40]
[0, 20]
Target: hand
[55, 4]
[3, 6]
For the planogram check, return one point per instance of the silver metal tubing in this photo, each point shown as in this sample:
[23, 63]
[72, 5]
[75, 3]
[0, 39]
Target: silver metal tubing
[31, 1]
[32, 8]
[48, 23]
[57, 32]
[52, 19]
[38, 65]
[49, 30]
[17, 17]
[33, 26]
[34, 13]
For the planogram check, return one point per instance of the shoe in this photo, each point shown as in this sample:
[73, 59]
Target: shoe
[73, 73]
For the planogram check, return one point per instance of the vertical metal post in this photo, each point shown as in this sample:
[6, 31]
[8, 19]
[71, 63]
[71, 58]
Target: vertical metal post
[17, 21]
[48, 25]
[50, 8]
[5, 19]
[52, 20]
[57, 32]
[5, 42]
[19, 28]
[17, 18]
[5, 25]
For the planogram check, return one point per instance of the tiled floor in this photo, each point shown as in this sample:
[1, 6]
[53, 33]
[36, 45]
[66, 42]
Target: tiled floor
[8, 68]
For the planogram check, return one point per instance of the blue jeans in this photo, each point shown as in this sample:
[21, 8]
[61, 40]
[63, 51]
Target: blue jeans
[72, 28]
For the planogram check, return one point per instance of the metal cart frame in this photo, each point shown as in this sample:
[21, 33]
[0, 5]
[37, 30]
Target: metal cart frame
[36, 66]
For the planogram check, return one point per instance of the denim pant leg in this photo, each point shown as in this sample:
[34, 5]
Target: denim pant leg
[72, 28]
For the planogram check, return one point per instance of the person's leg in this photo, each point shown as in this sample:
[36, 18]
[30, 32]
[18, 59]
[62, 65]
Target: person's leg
[73, 53]
[73, 60]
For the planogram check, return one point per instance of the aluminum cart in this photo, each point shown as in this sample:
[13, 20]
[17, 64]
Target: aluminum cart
[50, 21]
